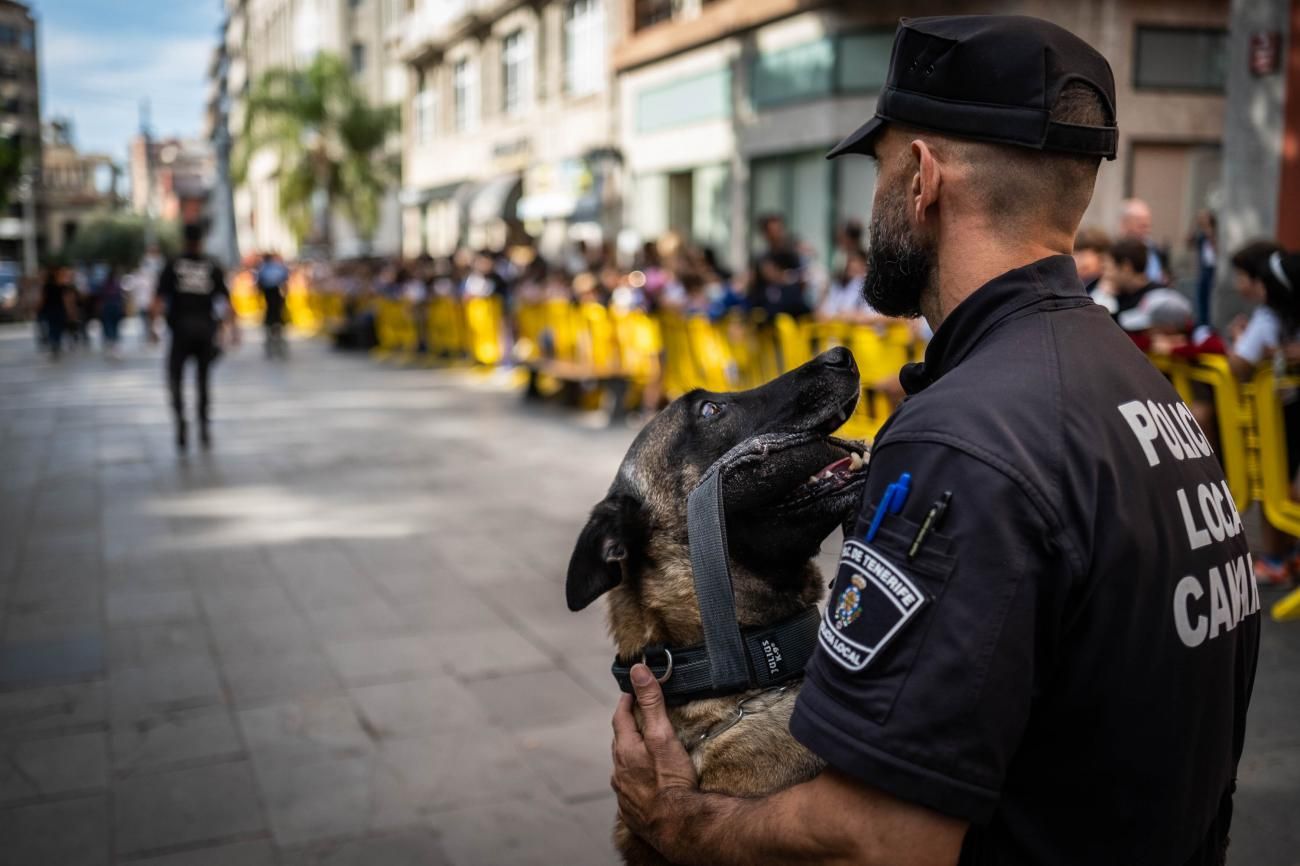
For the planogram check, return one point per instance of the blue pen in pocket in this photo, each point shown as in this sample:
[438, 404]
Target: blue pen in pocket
[891, 502]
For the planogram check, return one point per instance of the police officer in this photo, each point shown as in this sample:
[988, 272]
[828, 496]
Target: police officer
[1051, 637]
[188, 288]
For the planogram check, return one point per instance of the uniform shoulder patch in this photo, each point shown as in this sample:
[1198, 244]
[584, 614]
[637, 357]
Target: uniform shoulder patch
[872, 601]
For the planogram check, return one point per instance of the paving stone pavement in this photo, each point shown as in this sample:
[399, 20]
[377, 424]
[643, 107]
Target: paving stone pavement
[340, 637]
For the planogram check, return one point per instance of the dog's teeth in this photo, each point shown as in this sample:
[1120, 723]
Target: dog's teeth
[812, 479]
[855, 462]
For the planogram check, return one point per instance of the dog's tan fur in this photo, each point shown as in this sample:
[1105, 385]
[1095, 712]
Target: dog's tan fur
[758, 755]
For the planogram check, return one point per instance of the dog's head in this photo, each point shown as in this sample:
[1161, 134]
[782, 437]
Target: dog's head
[786, 486]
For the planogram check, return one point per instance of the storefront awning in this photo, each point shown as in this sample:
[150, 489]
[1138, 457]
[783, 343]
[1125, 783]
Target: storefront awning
[420, 196]
[493, 198]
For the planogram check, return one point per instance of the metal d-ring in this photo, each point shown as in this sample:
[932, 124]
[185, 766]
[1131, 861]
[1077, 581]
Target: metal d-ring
[668, 673]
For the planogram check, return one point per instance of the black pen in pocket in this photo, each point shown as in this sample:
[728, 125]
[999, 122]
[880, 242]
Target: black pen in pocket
[933, 518]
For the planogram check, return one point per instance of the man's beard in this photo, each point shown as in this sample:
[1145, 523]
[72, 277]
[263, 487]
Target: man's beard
[900, 266]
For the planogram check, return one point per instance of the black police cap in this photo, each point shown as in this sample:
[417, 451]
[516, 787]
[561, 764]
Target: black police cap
[992, 78]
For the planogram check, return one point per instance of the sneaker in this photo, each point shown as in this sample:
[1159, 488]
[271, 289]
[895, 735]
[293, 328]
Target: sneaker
[205, 437]
[1272, 571]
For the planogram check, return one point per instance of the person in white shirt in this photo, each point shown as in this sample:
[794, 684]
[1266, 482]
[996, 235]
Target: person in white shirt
[843, 301]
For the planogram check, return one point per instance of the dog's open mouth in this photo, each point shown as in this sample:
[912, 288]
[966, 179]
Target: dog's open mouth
[846, 471]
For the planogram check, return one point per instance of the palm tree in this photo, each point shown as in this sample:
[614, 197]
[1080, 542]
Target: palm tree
[329, 145]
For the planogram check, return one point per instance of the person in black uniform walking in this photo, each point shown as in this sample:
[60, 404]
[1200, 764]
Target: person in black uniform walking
[188, 288]
[1042, 648]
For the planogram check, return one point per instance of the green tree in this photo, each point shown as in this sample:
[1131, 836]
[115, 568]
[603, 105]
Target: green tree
[329, 147]
[117, 239]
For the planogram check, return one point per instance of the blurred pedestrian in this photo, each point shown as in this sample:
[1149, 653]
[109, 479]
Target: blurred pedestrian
[779, 280]
[189, 287]
[112, 309]
[1135, 222]
[57, 309]
[272, 277]
[1204, 243]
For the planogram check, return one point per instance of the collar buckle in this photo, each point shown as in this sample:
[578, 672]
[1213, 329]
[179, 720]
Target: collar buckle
[667, 674]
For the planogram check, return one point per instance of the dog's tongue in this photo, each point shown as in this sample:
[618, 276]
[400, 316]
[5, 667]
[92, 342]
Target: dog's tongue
[838, 465]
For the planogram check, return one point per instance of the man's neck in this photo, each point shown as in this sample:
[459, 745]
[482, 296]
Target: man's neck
[963, 268]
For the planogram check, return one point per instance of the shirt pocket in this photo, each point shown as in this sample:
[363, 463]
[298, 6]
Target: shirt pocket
[878, 613]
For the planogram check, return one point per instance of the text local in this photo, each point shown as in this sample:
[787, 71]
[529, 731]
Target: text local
[1205, 607]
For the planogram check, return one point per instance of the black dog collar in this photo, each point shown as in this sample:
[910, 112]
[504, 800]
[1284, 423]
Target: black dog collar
[728, 661]
[774, 654]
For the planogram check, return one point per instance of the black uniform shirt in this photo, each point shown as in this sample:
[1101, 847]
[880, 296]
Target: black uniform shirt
[1067, 660]
[189, 285]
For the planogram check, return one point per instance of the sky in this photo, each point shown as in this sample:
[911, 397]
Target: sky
[100, 58]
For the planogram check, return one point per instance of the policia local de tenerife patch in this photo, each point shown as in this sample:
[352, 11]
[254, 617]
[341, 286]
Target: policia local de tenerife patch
[871, 603]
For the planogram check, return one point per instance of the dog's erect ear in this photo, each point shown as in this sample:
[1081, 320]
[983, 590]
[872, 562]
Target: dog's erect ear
[610, 544]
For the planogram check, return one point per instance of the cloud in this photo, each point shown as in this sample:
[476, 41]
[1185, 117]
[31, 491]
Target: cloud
[99, 82]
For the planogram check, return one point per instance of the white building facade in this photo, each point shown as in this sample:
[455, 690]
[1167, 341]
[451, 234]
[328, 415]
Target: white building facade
[508, 129]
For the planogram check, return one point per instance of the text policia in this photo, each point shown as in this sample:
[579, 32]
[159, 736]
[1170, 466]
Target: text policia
[1210, 516]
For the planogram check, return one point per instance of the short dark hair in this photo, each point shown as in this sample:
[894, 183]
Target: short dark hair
[1020, 184]
[1092, 239]
[1131, 252]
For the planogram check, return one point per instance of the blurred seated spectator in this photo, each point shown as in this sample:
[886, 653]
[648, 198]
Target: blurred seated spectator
[1090, 248]
[843, 301]
[1135, 223]
[1264, 275]
[1126, 280]
[779, 281]
[1254, 338]
[484, 280]
[1163, 323]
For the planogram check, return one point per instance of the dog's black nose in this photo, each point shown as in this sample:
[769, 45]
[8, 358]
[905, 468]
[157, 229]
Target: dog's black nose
[840, 358]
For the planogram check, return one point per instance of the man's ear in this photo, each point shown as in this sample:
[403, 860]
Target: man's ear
[925, 183]
[608, 547]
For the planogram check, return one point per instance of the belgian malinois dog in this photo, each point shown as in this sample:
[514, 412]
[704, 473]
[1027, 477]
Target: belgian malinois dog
[782, 501]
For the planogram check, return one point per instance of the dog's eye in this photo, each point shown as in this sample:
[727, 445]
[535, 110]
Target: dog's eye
[708, 410]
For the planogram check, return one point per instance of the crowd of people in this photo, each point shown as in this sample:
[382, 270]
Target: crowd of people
[70, 301]
[1128, 273]
[1129, 276]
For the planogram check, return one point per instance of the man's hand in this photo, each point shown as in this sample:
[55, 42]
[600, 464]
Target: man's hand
[653, 776]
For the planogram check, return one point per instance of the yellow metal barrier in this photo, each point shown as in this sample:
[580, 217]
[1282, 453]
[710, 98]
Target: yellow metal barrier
[245, 297]
[1270, 391]
[678, 354]
[1235, 414]
[1280, 507]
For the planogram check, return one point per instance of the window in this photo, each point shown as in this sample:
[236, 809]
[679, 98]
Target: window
[358, 58]
[685, 101]
[801, 72]
[516, 72]
[426, 109]
[852, 62]
[648, 12]
[465, 84]
[584, 47]
[1177, 58]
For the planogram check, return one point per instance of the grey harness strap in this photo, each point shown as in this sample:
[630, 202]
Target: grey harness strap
[707, 530]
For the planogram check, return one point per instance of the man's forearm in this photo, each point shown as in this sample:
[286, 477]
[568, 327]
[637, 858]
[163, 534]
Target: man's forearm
[734, 831]
[832, 821]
